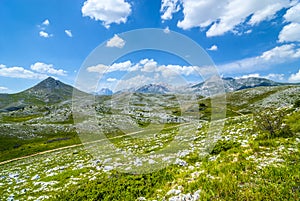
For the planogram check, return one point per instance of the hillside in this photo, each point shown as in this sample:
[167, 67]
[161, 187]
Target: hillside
[48, 92]
[244, 163]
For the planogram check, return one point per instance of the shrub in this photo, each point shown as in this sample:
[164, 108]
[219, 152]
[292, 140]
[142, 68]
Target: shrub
[294, 122]
[297, 104]
[271, 122]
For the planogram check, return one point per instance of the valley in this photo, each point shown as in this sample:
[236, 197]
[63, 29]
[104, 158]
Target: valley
[45, 155]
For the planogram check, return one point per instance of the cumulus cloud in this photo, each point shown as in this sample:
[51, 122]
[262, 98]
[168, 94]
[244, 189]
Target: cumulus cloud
[281, 53]
[111, 79]
[248, 31]
[69, 33]
[271, 76]
[295, 77]
[248, 76]
[101, 68]
[45, 34]
[175, 70]
[213, 48]
[277, 55]
[145, 66]
[116, 41]
[3, 89]
[149, 65]
[167, 30]
[107, 11]
[134, 82]
[47, 68]
[168, 7]
[46, 22]
[20, 72]
[221, 17]
[293, 14]
[267, 12]
[290, 32]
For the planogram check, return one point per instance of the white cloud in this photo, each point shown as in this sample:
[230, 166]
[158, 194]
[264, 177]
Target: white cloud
[47, 68]
[45, 34]
[293, 14]
[237, 11]
[149, 65]
[134, 82]
[102, 69]
[20, 72]
[111, 79]
[249, 75]
[168, 7]
[116, 41]
[145, 66]
[290, 32]
[267, 12]
[69, 33]
[224, 16]
[176, 70]
[295, 77]
[213, 48]
[46, 22]
[200, 13]
[282, 53]
[248, 31]
[271, 76]
[3, 89]
[107, 11]
[167, 30]
[277, 55]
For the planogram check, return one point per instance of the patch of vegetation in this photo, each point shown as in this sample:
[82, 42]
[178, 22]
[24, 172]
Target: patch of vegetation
[272, 123]
[297, 104]
[294, 122]
[19, 118]
[13, 147]
[222, 146]
[118, 186]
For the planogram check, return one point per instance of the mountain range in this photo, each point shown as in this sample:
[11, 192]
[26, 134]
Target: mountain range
[51, 91]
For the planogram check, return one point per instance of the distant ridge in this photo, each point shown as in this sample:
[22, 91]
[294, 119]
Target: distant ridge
[104, 91]
[232, 84]
[205, 88]
[153, 89]
[51, 91]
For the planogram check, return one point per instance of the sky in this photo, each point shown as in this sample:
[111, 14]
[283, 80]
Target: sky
[251, 38]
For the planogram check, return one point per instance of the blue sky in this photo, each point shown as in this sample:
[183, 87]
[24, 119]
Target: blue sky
[40, 38]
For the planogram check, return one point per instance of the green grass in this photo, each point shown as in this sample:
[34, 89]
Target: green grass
[17, 119]
[118, 186]
[12, 147]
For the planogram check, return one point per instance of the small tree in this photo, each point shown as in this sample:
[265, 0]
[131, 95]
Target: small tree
[271, 120]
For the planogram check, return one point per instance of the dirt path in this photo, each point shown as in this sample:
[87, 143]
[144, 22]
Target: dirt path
[76, 145]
